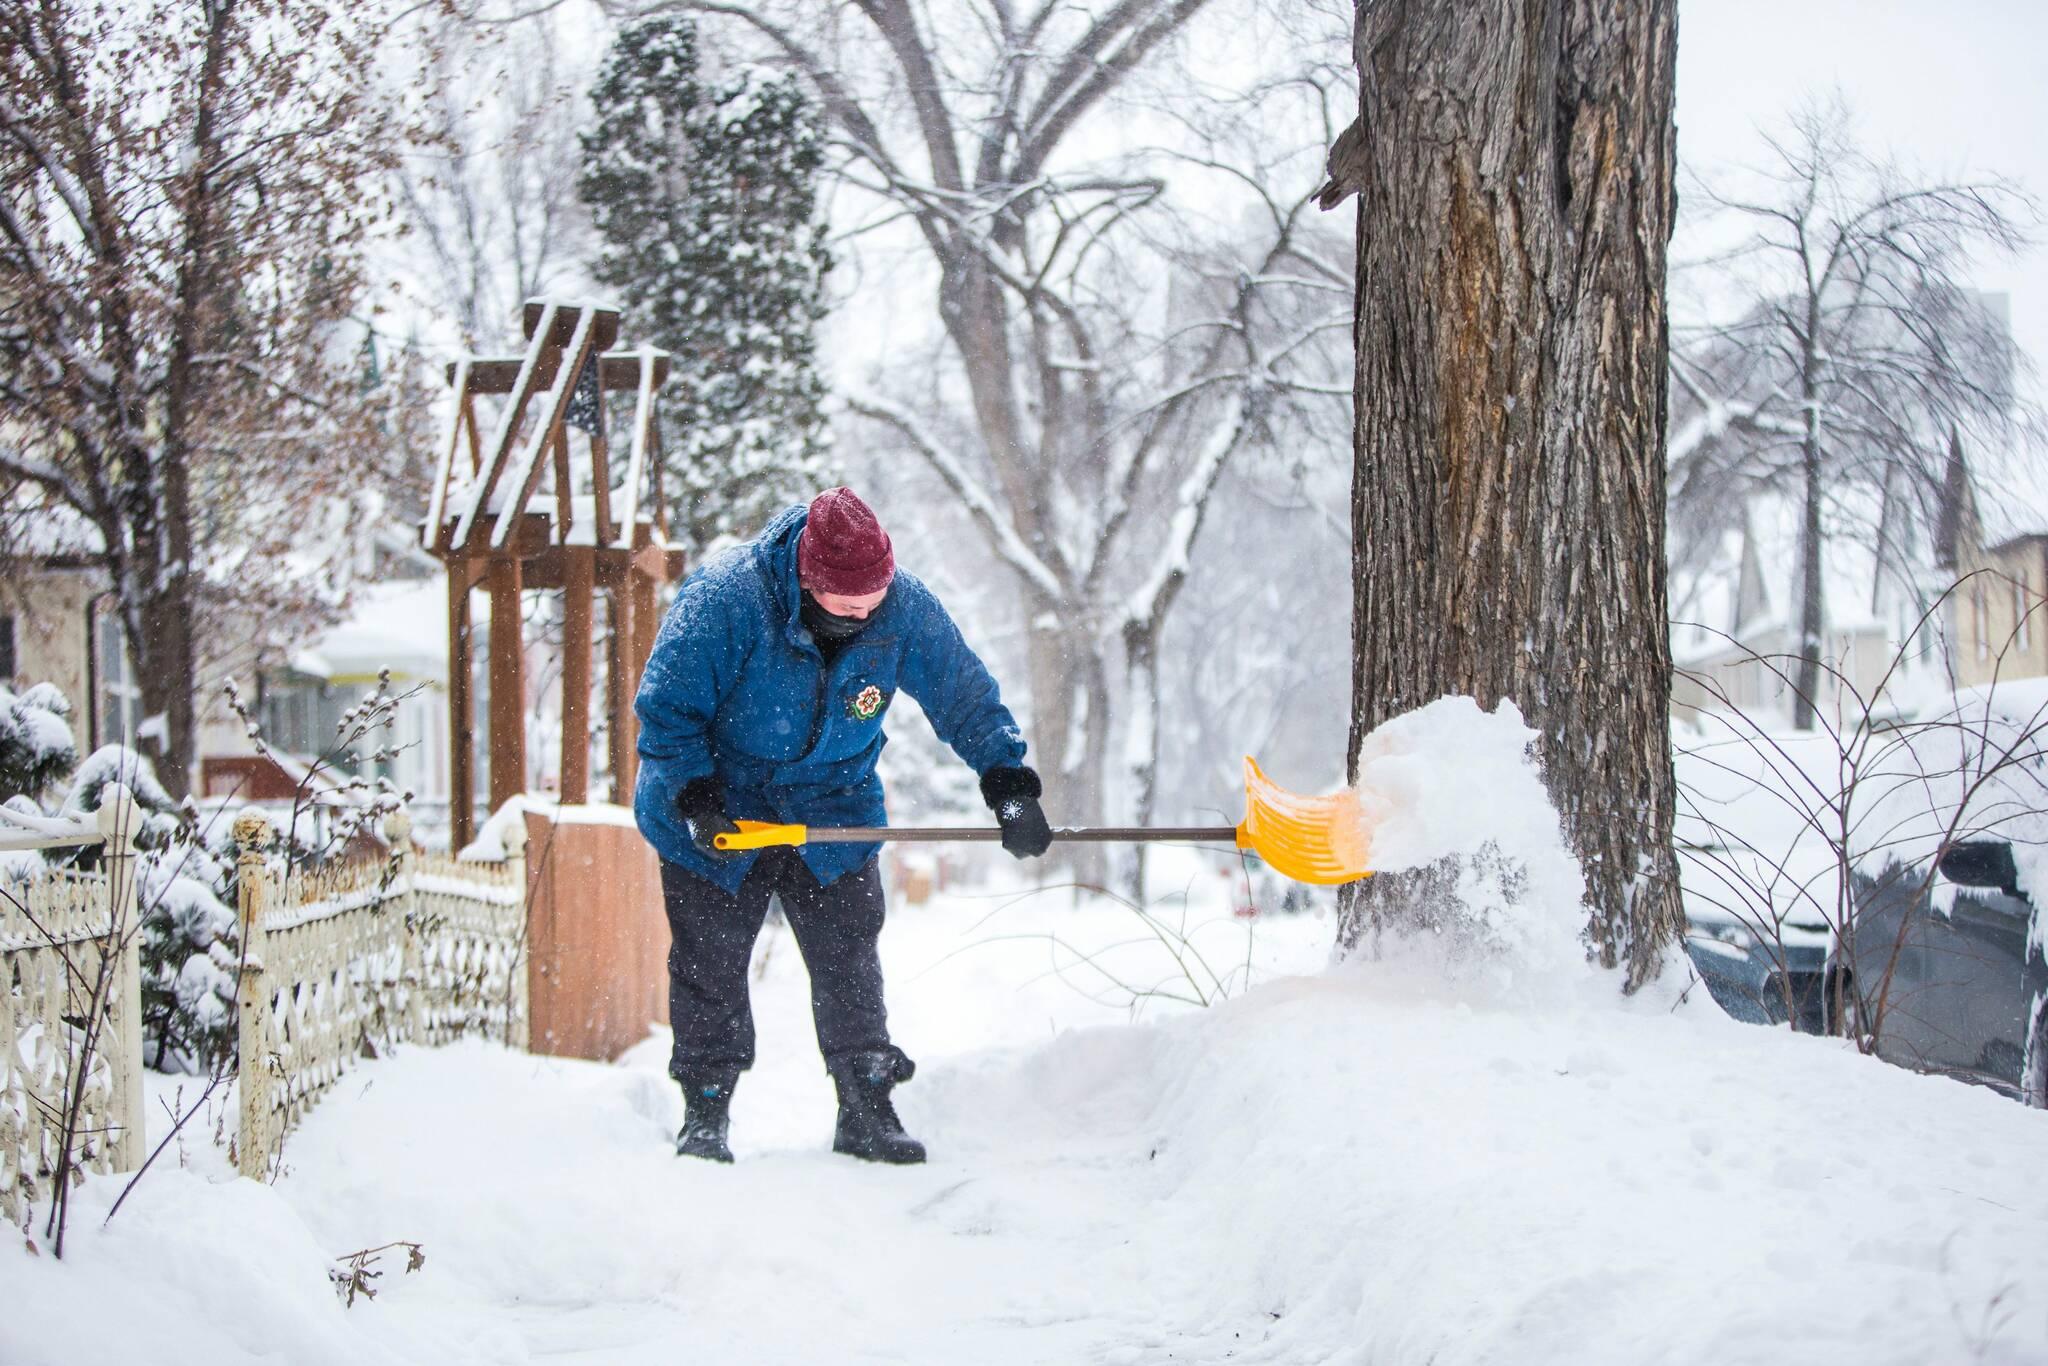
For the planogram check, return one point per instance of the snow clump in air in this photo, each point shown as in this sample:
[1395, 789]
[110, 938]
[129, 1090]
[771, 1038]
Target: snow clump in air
[1452, 792]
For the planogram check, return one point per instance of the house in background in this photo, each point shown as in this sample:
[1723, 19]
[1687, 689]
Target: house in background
[59, 624]
[299, 704]
[1999, 564]
[1999, 611]
[1734, 630]
[1973, 612]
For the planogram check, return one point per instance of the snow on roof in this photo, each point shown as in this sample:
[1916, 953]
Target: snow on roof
[2017, 539]
[1704, 601]
[42, 529]
[401, 626]
[2012, 495]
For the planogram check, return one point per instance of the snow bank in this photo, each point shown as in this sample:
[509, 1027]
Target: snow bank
[1762, 812]
[498, 831]
[1452, 790]
[1319, 1171]
[508, 823]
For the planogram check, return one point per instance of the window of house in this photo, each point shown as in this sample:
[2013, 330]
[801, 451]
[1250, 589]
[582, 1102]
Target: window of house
[7, 650]
[289, 711]
[2022, 628]
[119, 704]
[1980, 621]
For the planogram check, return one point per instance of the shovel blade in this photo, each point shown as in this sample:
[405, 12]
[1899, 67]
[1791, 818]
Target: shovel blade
[1319, 840]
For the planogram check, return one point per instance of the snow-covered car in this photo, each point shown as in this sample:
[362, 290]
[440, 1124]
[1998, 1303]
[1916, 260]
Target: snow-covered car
[1761, 973]
[1873, 879]
[1753, 872]
[1946, 968]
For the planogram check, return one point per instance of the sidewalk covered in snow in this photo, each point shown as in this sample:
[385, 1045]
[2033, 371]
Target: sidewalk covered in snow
[1376, 1163]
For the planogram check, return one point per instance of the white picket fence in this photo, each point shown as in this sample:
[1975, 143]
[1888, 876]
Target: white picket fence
[341, 963]
[68, 969]
[338, 963]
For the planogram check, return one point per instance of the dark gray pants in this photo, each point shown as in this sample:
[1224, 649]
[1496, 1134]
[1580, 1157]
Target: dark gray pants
[713, 934]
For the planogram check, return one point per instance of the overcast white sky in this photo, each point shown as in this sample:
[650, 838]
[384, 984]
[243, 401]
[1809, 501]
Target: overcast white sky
[1953, 87]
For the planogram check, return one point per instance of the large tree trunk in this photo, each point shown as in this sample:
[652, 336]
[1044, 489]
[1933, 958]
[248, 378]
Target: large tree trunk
[1508, 495]
[157, 588]
[165, 657]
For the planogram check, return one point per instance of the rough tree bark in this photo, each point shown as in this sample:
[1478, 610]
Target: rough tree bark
[1515, 173]
[158, 617]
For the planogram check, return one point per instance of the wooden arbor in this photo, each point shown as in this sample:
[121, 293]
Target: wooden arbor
[585, 534]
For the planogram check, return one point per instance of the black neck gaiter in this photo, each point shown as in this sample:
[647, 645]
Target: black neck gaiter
[829, 628]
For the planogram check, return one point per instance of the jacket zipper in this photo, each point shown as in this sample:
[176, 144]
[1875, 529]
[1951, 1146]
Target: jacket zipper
[818, 712]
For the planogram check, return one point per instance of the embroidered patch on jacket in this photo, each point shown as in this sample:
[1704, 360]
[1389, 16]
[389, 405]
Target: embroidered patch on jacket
[863, 705]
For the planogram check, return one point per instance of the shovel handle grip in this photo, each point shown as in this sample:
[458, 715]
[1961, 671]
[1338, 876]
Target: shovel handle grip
[762, 835]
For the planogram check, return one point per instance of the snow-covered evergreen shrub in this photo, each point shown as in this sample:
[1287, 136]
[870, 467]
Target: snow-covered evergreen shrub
[705, 194]
[189, 940]
[37, 750]
[120, 764]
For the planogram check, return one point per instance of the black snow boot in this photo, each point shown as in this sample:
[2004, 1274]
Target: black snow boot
[868, 1127]
[706, 1099]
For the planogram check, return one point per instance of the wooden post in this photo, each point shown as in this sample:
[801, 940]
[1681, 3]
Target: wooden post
[565, 480]
[654, 478]
[476, 449]
[259, 1119]
[646, 620]
[600, 470]
[119, 817]
[508, 682]
[518, 1009]
[618, 687]
[579, 568]
[461, 706]
[398, 830]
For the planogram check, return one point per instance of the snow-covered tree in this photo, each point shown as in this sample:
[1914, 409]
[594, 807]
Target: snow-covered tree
[37, 749]
[490, 195]
[1845, 355]
[704, 190]
[1120, 293]
[185, 191]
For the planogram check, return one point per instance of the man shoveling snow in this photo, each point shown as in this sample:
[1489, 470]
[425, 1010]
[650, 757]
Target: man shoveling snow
[763, 700]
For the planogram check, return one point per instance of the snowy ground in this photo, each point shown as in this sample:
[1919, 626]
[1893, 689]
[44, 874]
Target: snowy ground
[1470, 1149]
[1362, 1165]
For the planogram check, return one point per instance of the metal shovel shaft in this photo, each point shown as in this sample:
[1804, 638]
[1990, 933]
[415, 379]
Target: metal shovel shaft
[1321, 840]
[1097, 834]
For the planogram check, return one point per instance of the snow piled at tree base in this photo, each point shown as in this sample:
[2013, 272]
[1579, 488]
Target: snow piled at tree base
[1473, 881]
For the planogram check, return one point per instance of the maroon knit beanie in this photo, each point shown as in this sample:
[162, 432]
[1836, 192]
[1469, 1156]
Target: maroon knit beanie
[843, 549]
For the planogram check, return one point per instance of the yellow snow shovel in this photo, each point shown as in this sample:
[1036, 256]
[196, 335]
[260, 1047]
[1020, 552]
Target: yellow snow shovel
[1323, 840]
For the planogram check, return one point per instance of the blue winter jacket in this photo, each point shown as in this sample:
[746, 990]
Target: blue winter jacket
[736, 689]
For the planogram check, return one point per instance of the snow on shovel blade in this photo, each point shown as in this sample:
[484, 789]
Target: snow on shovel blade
[1322, 840]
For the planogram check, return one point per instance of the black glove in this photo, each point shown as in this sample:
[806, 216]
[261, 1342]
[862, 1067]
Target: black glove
[1012, 792]
[703, 810]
